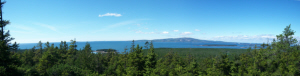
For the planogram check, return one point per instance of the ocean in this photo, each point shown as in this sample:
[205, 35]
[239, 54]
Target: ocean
[121, 45]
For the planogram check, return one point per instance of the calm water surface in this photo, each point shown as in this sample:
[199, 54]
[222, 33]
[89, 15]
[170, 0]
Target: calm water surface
[121, 45]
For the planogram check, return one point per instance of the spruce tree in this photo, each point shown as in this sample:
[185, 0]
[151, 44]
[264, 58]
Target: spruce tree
[135, 62]
[47, 45]
[86, 58]
[286, 39]
[38, 53]
[48, 59]
[70, 55]
[150, 60]
[146, 45]
[6, 63]
[132, 46]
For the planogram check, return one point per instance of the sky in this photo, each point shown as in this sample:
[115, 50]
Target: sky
[251, 21]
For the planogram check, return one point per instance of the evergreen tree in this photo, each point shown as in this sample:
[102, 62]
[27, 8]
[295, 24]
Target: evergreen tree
[150, 60]
[71, 51]
[38, 53]
[7, 66]
[4, 58]
[49, 59]
[285, 40]
[146, 44]
[70, 55]
[135, 62]
[47, 45]
[85, 58]
[27, 58]
[132, 46]
[15, 47]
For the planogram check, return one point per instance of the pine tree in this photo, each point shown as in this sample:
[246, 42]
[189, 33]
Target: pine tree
[146, 44]
[27, 57]
[86, 58]
[71, 51]
[150, 60]
[132, 46]
[38, 53]
[7, 66]
[4, 58]
[47, 45]
[70, 55]
[49, 59]
[15, 47]
[285, 40]
[135, 62]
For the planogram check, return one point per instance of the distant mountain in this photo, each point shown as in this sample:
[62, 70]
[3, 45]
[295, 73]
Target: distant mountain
[183, 40]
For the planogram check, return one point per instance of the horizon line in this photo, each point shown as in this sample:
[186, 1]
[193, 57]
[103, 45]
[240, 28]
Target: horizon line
[140, 40]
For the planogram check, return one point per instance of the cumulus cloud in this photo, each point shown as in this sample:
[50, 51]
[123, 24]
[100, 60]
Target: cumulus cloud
[165, 32]
[111, 14]
[197, 30]
[175, 30]
[186, 33]
[247, 38]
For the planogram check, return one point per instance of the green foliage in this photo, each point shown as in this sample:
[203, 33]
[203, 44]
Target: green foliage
[67, 70]
[150, 60]
[49, 58]
[281, 57]
[27, 57]
[135, 62]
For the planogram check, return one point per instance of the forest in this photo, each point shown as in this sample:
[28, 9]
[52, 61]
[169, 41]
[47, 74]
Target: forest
[279, 57]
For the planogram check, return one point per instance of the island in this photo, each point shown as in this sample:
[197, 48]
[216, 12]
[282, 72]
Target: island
[105, 50]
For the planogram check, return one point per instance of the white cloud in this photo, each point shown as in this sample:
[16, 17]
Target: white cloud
[110, 14]
[247, 38]
[122, 23]
[186, 33]
[139, 31]
[149, 32]
[138, 25]
[165, 32]
[117, 25]
[175, 30]
[197, 30]
[46, 26]
[146, 28]
[22, 27]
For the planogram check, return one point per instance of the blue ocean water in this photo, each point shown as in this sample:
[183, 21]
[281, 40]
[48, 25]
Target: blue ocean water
[121, 45]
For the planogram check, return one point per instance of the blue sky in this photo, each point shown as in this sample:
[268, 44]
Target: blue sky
[252, 21]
